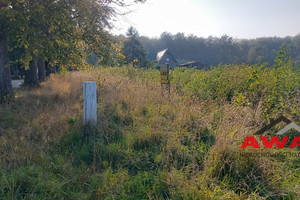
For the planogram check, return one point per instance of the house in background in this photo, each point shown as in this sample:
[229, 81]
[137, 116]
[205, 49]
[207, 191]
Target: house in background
[165, 56]
[162, 57]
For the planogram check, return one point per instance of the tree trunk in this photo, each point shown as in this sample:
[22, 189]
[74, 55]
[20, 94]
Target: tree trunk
[48, 68]
[41, 70]
[31, 77]
[14, 71]
[54, 69]
[6, 92]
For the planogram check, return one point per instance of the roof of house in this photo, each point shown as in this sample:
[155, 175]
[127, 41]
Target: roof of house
[191, 63]
[161, 54]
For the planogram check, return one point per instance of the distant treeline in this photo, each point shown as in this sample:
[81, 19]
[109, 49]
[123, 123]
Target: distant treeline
[224, 49]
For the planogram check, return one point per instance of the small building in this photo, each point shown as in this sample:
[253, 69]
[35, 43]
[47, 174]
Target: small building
[163, 56]
[194, 64]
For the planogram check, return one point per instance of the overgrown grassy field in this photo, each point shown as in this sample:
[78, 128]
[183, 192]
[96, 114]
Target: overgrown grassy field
[146, 146]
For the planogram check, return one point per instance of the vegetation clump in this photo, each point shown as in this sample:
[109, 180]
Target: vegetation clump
[146, 146]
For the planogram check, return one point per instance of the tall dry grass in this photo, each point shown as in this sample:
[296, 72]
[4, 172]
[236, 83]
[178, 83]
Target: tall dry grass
[144, 146]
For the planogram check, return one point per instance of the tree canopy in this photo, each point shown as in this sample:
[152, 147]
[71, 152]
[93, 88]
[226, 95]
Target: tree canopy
[58, 31]
[224, 49]
[133, 50]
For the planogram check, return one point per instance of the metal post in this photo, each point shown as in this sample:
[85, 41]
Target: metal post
[168, 84]
[90, 102]
[165, 79]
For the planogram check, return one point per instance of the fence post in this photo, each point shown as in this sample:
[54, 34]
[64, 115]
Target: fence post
[165, 78]
[90, 102]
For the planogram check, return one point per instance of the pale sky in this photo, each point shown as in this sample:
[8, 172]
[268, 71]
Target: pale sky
[236, 18]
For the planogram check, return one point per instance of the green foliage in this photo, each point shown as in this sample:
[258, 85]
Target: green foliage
[275, 89]
[133, 50]
[225, 49]
[6, 97]
[60, 32]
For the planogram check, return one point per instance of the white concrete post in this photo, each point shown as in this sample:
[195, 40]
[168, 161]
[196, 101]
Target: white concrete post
[90, 102]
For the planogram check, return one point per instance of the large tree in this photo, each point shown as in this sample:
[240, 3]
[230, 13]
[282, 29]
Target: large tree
[133, 50]
[5, 80]
[58, 31]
